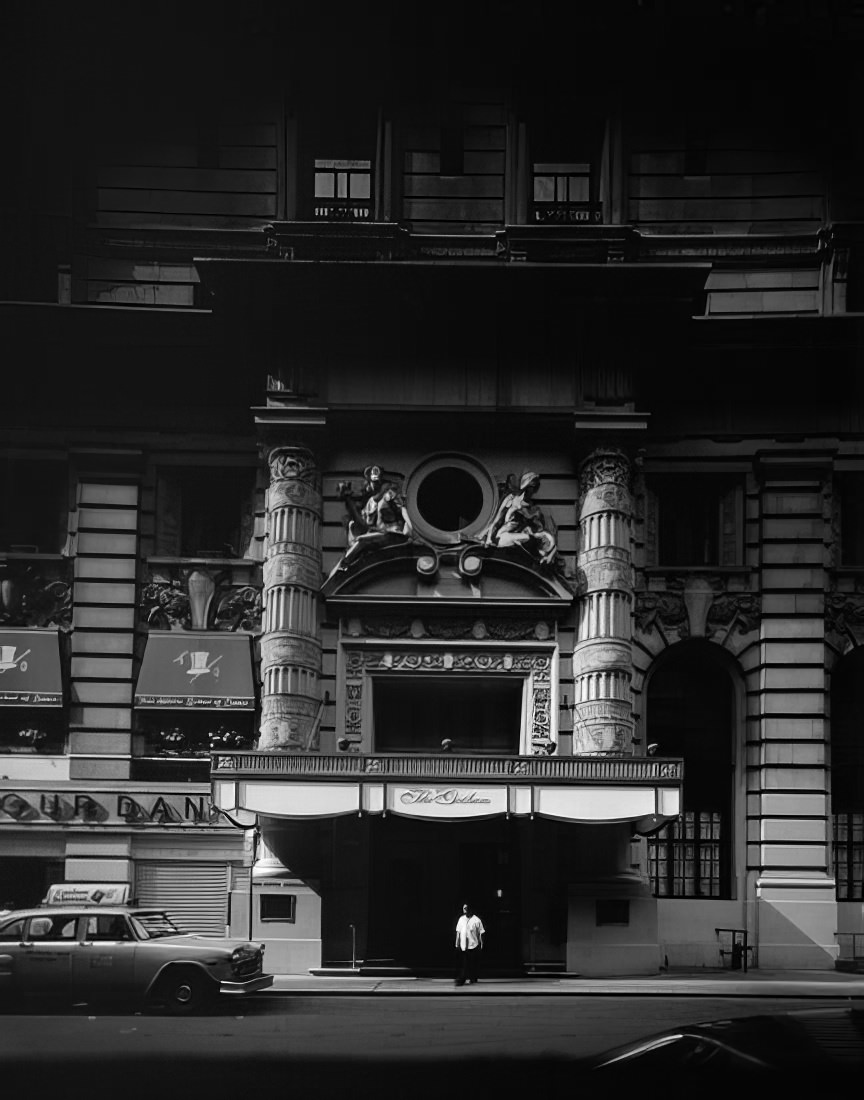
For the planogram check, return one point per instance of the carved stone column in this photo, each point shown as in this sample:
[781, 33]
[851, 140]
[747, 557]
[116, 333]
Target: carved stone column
[602, 656]
[290, 647]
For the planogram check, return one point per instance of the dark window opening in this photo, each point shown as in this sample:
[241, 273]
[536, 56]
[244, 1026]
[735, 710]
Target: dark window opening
[32, 730]
[336, 154]
[690, 714]
[279, 907]
[477, 715]
[847, 775]
[611, 911]
[699, 522]
[34, 506]
[453, 141]
[850, 493]
[449, 498]
[565, 154]
[205, 513]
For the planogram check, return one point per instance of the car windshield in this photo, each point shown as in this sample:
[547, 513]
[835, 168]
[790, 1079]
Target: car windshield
[152, 926]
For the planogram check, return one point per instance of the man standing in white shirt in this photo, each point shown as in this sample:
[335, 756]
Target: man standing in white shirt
[469, 940]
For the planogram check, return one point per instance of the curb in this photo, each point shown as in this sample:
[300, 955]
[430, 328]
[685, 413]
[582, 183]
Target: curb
[668, 987]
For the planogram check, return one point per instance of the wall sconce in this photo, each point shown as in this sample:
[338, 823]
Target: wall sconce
[447, 745]
[343, 744]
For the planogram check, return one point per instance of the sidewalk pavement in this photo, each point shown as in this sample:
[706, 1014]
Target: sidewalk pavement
[675, 983]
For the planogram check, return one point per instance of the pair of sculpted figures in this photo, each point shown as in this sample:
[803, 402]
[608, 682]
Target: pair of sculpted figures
[379, 518]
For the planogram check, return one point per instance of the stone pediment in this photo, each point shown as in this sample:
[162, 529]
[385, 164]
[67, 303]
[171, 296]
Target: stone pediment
[415, 573]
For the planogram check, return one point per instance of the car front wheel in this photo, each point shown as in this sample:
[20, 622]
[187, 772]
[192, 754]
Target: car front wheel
[183, 990]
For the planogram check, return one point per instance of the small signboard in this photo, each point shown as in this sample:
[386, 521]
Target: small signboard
[88, 893]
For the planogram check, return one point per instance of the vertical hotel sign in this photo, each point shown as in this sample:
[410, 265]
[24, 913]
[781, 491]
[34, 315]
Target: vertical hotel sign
[30, 668]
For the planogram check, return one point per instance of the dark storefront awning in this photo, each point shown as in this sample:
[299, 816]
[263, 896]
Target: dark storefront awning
[30, 668]
[196, 670]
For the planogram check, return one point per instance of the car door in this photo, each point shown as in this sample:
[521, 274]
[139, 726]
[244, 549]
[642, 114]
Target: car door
[104, 962]
[11, 941]
[44, 963]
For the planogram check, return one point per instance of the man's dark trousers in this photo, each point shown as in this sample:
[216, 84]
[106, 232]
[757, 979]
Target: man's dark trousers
[470, 965]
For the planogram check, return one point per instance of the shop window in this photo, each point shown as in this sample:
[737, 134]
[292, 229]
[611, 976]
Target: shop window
[691, 714]
[31, 730]
[847, 775]
[850, 503]
[190, 733]
[282, 907]
[472, 715]
[204, 513]
[698, 520]
[33, 506]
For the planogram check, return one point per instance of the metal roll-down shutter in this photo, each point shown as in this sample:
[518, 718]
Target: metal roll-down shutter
[194, 895]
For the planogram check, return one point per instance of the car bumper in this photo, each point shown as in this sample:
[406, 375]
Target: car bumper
[250, 985]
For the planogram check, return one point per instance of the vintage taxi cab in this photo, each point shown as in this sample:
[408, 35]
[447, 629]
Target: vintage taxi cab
[87, 952]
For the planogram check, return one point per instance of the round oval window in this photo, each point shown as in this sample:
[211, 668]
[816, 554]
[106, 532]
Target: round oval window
[449, 498]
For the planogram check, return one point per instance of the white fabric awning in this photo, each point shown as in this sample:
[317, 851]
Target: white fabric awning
[582, 803]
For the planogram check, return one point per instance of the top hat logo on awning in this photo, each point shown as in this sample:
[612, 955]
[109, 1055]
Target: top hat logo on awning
[9, 661]
[198, 663]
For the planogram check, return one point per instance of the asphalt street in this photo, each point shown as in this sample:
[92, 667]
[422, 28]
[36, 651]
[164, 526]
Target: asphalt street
[410, 1037]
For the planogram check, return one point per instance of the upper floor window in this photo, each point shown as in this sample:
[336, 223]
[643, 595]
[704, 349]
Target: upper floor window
[565, 143]
[695, 520]
[204, 513]
[343, 190]
[33, 505]
[849, 496]
[474, 715]
[562, 193]
[336, 149]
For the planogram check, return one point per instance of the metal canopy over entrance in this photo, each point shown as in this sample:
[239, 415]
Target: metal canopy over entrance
[447, 788]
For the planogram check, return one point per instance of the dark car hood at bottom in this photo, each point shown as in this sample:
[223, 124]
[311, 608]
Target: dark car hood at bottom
[810, 1038]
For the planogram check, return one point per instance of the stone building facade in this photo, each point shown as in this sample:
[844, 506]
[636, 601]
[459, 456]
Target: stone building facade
[421, 505]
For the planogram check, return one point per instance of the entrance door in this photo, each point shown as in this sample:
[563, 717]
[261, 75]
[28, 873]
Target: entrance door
[422, 873]
[488, 880]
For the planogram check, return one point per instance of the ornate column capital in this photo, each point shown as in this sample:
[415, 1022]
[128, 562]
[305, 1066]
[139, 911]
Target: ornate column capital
[605, 466]
[292, 462]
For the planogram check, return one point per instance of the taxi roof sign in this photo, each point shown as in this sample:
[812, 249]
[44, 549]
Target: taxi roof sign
[88, 893]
